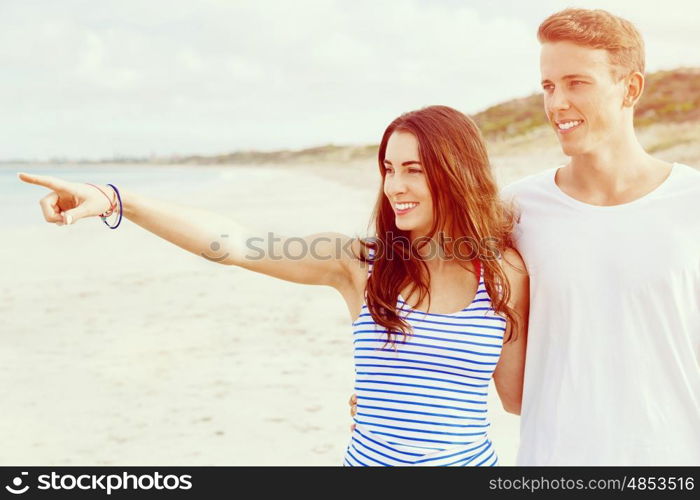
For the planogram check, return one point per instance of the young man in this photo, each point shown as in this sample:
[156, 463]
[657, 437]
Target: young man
[612, 244]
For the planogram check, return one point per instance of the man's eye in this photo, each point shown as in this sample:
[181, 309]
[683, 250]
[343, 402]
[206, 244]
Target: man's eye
[547, 88]
[576, 82]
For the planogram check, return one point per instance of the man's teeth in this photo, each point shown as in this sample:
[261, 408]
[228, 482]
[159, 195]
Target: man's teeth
[568, 125]
[405, 206]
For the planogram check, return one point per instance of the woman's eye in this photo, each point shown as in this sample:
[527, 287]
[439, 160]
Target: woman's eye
[415, 170]
[389, 170]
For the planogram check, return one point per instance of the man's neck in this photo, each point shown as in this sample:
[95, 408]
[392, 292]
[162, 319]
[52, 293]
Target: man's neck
[619, 173]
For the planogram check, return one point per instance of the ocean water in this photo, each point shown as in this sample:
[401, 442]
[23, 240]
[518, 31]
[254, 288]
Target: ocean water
[19, 201]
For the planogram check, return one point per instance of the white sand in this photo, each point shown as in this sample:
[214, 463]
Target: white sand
[120, 348]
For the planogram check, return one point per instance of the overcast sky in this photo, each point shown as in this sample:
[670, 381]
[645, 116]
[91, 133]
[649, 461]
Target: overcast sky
[102, 78]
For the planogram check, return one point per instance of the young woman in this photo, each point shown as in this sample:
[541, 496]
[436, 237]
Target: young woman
[438, 296]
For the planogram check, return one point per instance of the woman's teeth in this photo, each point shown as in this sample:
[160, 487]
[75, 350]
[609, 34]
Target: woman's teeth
[405, 206]
[568, 125]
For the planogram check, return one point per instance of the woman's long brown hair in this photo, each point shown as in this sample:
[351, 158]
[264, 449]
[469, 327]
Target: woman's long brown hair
[467, 208]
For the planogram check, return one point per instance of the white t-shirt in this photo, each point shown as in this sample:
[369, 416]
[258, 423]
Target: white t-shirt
[612, 375]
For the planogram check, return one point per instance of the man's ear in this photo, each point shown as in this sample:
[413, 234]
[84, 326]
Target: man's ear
[634, 86]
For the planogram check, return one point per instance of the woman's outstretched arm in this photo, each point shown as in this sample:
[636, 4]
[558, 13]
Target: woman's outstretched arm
[320, 259]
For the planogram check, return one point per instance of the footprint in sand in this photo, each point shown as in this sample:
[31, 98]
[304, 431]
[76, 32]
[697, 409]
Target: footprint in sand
[276, 420]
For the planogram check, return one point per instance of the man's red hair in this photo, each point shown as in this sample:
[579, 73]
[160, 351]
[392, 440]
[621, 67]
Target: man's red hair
[597, 29]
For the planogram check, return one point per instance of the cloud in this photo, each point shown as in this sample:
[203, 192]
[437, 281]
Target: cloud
[128, 77]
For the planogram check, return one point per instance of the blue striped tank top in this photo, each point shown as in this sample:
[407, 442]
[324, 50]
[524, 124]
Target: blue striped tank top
[423, 401]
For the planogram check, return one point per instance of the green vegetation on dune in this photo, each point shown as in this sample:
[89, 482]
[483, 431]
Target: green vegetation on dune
[511, 118]
[670, 96]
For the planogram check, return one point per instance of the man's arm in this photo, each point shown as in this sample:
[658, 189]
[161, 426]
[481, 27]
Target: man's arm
[510, 370]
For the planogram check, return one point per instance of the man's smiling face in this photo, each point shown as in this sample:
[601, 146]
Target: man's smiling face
[583, 99]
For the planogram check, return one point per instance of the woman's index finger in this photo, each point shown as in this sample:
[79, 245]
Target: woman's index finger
[42, 180]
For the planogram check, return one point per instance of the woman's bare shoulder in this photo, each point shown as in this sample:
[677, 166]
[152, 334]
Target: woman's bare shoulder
[356, 258]
[513, 264]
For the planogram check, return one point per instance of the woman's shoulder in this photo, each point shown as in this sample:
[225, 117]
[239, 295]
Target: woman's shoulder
[365, 249]
[361, 255]
[513, 264]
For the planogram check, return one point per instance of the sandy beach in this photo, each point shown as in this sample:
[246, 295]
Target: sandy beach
[121, 349]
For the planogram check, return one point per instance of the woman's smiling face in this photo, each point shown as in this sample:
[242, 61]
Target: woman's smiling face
[406, 186]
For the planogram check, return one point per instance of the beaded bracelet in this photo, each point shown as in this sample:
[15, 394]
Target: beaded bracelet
[119, 220]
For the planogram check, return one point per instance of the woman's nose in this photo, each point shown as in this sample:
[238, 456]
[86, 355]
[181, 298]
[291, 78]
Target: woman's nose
[395, 185]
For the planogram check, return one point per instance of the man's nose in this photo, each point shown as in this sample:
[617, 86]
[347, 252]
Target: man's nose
[558, 101]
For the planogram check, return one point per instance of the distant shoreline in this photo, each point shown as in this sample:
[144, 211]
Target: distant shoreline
[676, 141]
